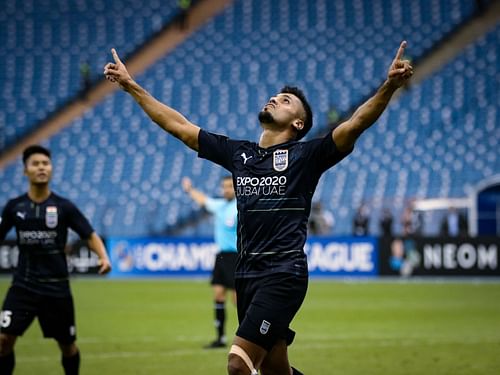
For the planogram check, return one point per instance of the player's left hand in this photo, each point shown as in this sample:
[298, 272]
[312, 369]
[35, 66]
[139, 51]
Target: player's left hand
[400, 70]
[104, 266]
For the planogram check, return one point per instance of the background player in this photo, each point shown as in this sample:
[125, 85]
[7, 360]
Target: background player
[40, 286]
[226, 216]
[275, 182]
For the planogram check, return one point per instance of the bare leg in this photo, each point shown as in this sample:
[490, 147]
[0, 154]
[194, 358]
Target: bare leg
[237, 366]
[276, 361]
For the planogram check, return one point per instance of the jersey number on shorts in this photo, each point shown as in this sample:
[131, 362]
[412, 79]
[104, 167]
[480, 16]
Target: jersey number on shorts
[5, 318]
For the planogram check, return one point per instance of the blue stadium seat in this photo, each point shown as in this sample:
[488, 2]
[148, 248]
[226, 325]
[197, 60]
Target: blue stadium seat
[425, 145]
[45, 42]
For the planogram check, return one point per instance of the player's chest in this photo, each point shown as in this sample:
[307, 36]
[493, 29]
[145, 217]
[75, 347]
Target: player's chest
[253, 162]
[37, 217]
[262, 174]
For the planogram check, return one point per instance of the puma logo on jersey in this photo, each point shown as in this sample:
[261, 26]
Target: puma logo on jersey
[21, 215]
[245, 157]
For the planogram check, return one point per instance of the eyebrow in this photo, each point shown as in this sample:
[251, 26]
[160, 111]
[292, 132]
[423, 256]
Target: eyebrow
[285, 95]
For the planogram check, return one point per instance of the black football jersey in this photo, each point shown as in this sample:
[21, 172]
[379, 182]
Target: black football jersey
[274, 188]
[42, 231]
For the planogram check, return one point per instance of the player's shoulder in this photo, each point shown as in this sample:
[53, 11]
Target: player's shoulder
[58, 198]
[318, 144]
[21, 198]
[60, 201]
[227, 138]
[315, 140]
[14, 202]
[245, 144]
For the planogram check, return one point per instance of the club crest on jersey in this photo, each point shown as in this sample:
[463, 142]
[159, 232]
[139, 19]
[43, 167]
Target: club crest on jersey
[280, 160]
[264, 327]
[51, 216]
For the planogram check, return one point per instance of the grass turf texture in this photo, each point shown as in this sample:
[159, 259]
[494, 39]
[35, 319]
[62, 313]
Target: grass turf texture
[159, 326]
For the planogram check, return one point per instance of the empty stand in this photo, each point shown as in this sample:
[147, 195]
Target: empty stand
[437, 139]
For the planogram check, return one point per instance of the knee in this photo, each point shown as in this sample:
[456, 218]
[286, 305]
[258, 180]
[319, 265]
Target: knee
[6, 344]
[68, 350]
[236, 366]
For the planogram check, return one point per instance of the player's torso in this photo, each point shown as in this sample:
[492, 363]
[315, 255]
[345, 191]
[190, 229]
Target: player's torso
[271, 178]
[39, 226]
[41, 237]
[274, 193]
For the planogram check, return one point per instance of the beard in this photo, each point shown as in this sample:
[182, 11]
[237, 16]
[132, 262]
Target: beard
[266, 117]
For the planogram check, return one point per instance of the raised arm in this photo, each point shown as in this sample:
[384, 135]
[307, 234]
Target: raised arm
[195, 195]
[167, 118]
[346, 134]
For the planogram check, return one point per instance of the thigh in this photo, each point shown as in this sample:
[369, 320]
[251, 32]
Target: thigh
[268, 307]
[276, 360]
[57, 319]
[18, 311]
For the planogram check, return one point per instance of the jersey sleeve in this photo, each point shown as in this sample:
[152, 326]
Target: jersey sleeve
[217, 148]
[212, 205]
[324, 153]
[6, 221]
[77, 222]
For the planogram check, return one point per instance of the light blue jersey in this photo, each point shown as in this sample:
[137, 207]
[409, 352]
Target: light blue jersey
[226, 219]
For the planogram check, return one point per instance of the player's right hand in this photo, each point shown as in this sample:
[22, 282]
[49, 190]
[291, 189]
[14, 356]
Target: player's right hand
[400, 70]
[104, 266]
[117, 72]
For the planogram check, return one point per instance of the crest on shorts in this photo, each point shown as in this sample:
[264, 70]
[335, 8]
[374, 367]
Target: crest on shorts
[264, 327]
[51, 216]
[280, 160]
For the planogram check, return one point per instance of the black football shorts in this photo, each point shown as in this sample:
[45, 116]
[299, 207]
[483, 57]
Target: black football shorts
[55, 315]
[267, 305]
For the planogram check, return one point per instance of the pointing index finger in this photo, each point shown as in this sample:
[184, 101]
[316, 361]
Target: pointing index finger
[115, 56]
[401, 50]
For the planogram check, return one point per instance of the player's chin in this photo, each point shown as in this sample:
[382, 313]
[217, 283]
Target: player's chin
[40, 181]
[266, 117]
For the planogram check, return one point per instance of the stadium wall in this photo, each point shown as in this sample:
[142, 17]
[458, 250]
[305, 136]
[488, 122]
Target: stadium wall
[328, 257]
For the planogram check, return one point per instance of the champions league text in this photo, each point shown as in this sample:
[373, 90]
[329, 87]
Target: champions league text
[272, 185]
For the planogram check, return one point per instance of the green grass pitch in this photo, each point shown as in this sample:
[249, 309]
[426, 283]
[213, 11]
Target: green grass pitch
[133, 327]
